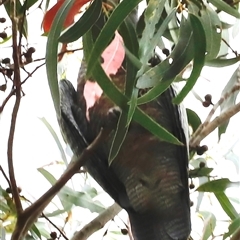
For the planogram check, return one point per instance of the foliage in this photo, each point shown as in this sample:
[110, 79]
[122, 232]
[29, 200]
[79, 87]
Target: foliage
[193, 30]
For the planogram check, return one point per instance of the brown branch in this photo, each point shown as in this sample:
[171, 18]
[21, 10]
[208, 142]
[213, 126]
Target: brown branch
[97, 223]
[5, 176]
[55, 226]
[29, 215]
[195, 141]
[207, 127]
[17, 85]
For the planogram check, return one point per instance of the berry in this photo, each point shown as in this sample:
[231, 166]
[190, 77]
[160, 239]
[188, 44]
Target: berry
[208, 97]
[191, 186]
[2, 20]
[202, 164]
[206, 104]
[53, 235]
[124, 231]
[3, 35]
[31, 50]
[166, 52]
[201, 150]
[6, 61]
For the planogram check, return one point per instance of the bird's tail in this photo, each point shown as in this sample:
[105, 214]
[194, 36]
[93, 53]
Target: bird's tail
[151, 228]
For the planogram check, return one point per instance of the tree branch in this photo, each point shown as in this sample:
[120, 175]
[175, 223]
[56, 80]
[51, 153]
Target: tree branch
[30, 214]
[206, 129]
[97, 223]
[17, 85]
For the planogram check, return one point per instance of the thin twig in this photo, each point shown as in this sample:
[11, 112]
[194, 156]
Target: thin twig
[207, 127]
[17, 85]
[55, 226]
[5, 176]
[214, 124]
[97, 223]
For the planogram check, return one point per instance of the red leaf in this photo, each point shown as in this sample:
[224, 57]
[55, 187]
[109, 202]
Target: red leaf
[51, 13]
[113, 57]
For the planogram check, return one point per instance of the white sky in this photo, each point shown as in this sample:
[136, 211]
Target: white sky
[33, 145]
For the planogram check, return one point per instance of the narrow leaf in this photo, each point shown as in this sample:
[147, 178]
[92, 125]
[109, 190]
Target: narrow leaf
[209, 224]
[230, 101]
[199, 58]
[152, 15]
[181, 55]
[221, 5]
[83, 24]
[226, 205]
[233, 227]
[218, 185]
[119, 137]
[51, 53]
[116, 18]
[55, 137]
[218, 62]
[212, 27]
[193, 119]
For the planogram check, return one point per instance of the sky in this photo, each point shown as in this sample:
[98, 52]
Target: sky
[33, 145]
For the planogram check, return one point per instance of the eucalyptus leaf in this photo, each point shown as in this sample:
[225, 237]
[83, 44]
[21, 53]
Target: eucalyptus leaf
[55, 137]
[222, 62]
[52, 50]
[212, 27]
[233, 227]
[193, 119]
[200, 172]
[120, 134]
[221, 5]
[198, 60]
[152, 15]
[123, 9]
[209, 224]
[226, 205]
[83, 24]
[181, 55]
[120, 100]
[217, 186]
[230, 101]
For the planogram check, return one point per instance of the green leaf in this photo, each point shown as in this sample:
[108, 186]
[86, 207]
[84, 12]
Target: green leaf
[52, 50]
[57, 141]
[230, 101]
[226, 205]
[116, 18]
[52, 180]
[212, 27]
[121, 100]
[209, 224]
[68, 197]
[35, 231]
[181, 55]
[81, 199]
[152, 15]
[193, 119]
[155, 92]
[219, 62]
[233, 227]
[131, 43]
[221, 5]
[217, 186]
[199, 58]
[200, 172]
[83, 24]
[119, 137]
